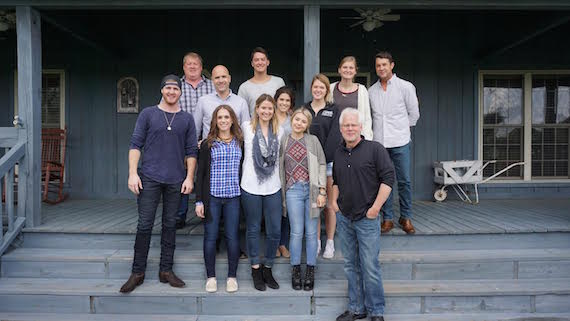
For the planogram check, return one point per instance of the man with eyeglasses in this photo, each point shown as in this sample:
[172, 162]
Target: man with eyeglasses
[363, 176]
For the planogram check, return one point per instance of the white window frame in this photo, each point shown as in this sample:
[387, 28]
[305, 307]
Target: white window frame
[527, 121]
[61, 73]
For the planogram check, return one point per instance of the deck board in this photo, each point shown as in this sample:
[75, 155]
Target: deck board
[449, 217]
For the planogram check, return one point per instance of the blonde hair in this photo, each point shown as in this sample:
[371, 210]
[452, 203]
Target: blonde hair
[255, 117]
[325, 80]
[304, 111]
[348, 59]
[192, 55]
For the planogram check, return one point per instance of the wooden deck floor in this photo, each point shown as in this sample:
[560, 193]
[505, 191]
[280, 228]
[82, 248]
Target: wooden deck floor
[449, 217]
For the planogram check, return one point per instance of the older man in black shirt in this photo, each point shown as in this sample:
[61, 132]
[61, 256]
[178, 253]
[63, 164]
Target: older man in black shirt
[363, 176]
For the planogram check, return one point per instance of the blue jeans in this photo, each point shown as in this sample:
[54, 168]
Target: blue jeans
[270, 208]
[299, 212]
[401, 158]
[148, 200]
[183, 207]
[360, 245]
[229, 209]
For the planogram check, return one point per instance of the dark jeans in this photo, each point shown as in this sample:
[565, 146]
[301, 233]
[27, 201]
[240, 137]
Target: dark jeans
[285, 230]
[229, 209]
[401, 158]
[148, 200]
[183, 207]
[257, 207]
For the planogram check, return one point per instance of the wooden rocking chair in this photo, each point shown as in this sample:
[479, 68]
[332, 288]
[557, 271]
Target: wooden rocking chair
[53, 163]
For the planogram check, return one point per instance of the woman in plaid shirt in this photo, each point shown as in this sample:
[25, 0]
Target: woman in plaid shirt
[218, 192]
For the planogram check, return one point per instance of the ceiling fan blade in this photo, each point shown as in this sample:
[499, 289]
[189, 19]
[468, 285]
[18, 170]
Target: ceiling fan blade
[378, 24]
[357, 23]
[360, 11]
[381, 12]
[391, 17]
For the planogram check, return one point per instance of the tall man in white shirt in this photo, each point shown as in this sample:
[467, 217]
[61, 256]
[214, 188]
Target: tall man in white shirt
[261, 82]
[222, 95]
[394, 108]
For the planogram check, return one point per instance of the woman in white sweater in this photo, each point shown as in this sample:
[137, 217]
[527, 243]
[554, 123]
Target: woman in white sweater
[345, 93]
[261, 189]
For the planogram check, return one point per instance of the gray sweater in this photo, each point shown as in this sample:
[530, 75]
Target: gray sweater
[317, 171]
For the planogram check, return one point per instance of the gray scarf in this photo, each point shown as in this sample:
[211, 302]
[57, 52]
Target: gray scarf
[265, 153]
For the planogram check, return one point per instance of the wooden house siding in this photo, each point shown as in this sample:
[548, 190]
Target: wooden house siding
[440, 52]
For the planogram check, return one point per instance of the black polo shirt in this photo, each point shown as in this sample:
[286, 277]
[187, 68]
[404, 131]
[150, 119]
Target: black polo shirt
[358, 173]
[323, 126]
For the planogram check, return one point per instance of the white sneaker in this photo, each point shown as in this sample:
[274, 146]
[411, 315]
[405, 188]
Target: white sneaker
[231, 285]
[211, 285]
[329, 250]
[318, 247]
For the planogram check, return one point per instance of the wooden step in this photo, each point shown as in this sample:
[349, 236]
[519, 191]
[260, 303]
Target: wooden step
[388, 242]
[328, 298]
[184, 317]
[396, 265]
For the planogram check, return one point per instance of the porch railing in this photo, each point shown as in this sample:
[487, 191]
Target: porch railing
[15, 151]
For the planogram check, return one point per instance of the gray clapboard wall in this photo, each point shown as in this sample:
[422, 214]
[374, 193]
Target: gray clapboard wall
[438, 51]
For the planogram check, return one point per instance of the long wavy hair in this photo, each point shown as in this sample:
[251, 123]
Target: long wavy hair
[255, 116]
[235, 129]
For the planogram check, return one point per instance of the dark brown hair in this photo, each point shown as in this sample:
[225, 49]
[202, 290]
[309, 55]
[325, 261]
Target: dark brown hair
[289, 92]
[235, 130]
[384, 55]
[260, 50]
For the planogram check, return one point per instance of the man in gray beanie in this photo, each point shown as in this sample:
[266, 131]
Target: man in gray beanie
[166, 136]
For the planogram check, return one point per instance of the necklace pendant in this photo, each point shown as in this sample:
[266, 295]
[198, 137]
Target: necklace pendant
[169, 128]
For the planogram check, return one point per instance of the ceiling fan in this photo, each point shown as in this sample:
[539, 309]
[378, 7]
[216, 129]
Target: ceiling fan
[7, 20]
[371, 19]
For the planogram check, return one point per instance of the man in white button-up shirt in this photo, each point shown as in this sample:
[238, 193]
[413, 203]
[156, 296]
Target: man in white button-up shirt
[394, 108]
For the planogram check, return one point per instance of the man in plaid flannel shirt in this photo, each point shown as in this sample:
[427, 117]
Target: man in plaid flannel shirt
[194, 86]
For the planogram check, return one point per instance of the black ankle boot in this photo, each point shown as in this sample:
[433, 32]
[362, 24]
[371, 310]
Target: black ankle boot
[268, 278]
[309, 282]
[296, 277]
[257, 276]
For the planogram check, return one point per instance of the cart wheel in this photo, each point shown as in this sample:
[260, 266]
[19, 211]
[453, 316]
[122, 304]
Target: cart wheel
[440, 195]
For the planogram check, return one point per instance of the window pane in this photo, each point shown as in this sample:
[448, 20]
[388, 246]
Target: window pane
[504, 145]
[536, 152]
[51, 100]
[515, 153]
[562, 152]
[562, 169]
[503, 100]
[537, 135]
[551, 99]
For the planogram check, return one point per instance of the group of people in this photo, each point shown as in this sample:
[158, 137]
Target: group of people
[259, 156]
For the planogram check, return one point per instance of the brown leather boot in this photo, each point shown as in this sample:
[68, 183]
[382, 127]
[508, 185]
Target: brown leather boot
[134, 280]
[386, 226]
[171, 278]
[407, 225]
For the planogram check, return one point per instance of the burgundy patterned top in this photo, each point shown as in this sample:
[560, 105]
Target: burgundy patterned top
[296, 163]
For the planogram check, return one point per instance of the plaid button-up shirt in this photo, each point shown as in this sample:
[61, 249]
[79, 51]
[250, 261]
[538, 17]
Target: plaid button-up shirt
[224, 173]
[190, 95]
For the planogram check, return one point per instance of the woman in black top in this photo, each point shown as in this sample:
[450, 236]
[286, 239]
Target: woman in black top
[325, 126]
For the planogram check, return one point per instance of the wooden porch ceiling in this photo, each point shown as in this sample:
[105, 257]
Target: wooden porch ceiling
[395, 4]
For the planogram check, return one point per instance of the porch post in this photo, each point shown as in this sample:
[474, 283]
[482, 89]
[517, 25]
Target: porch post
[312, 35]
[28, 27]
